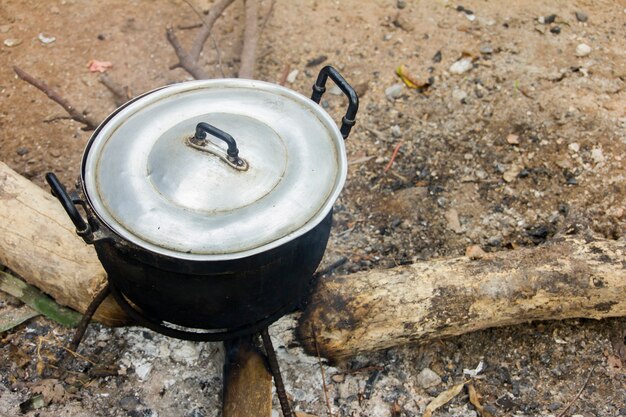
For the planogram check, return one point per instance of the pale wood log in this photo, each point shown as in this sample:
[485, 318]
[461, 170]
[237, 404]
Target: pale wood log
[374, 310]
[38, 242]
[247, 381]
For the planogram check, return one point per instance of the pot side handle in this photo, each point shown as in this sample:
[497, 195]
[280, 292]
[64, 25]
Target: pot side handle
[353, 100]
[69, 204]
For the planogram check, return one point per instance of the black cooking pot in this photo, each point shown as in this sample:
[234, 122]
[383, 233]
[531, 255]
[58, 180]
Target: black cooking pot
[209, 203]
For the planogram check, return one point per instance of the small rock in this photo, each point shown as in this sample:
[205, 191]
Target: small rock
[401, 4]
[555, 29]
[511, 173]
[583, 50]
[454, 224]
[291, 78]
[396, 132]
[512, 139]
[21, 151]
[46, 39]
[574, 147]
[546, 20]
[143, 370]
[596, 154]
[474, 252]
[437, 57]
[395, 91]
[55, 153]
[581, 17]
[458, 94]
[338, 378]
[11, 42]
[461, 66]
[538, 233]
[428, 378]
[486, 49]
[404, 23]
[470, 17]
[5, 28]
[188, 353]
[129, 403]
[55, 10]
[195, 413]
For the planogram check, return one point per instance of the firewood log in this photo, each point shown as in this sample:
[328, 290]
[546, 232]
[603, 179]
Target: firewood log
[373, 310]
[38, 242]
[247, 381]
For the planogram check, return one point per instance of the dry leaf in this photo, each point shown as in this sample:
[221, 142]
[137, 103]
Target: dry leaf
[410, 80]
[614, 362]
[19, 357]
[474, 398]
[443, 399]
[51, 389]
[99, 66]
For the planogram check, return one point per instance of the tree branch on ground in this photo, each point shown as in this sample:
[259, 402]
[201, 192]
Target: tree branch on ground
[121, 94]
[80, 117]
[250, 40]
[189, 60]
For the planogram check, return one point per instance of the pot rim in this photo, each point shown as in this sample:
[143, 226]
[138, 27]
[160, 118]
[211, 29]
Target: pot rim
[316, 217]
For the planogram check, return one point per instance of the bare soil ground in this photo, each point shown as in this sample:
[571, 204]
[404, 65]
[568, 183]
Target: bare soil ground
[528, 143]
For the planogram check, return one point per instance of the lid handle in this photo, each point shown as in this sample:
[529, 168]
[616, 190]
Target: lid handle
[353, 100]
[200, 142]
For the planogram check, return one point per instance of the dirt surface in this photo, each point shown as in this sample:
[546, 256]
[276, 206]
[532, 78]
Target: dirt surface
[528, 143]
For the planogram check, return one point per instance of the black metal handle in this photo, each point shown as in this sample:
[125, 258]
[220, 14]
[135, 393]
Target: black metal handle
[353, 100]
[233, 153]
[59, 191]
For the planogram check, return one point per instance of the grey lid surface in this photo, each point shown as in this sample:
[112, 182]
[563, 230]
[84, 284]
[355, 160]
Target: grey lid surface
[146, 181]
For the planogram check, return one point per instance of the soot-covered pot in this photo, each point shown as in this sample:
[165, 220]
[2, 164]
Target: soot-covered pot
[209, 203]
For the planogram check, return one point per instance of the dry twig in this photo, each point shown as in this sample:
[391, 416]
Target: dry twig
[205, 31]
[319, 360]
[191, 26]
[580, 391]
[80, 117]
[189, 60]
[184, 59]
[250, 40]
[121, 94]
[267, 17]
[393, 156]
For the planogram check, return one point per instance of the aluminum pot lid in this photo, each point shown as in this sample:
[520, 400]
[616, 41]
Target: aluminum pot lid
[159, 173]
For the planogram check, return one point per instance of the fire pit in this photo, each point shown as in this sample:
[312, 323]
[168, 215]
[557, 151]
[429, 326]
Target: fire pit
[209, 204]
